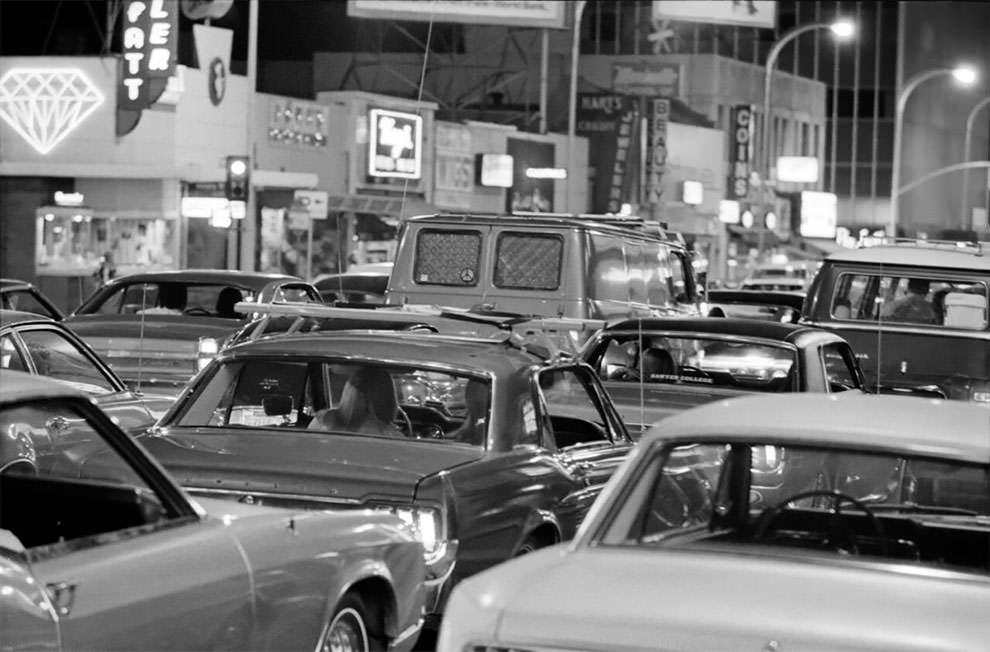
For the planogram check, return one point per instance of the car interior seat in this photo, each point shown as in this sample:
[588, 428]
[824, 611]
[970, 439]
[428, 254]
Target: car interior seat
[963, 310]
[657, 362]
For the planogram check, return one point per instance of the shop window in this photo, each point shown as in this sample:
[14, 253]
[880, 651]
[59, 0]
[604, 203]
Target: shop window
[528, 262]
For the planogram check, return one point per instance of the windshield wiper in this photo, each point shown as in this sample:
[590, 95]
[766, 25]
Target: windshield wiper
[921, 509]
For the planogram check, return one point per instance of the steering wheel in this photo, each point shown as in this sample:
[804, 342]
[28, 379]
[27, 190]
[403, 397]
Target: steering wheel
[771, 514]
[404, 423]
[196, 310]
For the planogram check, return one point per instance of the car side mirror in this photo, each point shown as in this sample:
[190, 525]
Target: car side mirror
[277, 405]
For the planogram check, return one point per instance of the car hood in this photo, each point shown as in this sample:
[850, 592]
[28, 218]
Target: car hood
[348, 468]
[155, 327]
[640, 408]
[709, 600]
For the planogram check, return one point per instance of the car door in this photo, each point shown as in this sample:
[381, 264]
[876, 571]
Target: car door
[127, 562]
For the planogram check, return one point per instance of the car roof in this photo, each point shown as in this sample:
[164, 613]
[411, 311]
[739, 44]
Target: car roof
[938, 428]
[920, 255]
[765, 329]
[15, 317]
[255, 280]
[395, 346]
[19, 386]
[537, 221]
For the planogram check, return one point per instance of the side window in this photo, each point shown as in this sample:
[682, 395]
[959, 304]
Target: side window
[71, 484]
[839, 370]
[447, 257]
[655, 262]
[133, 299]
[679, 288]
[25, 301]
[55, 356]
[575, 414]
[10, 355]
[637, 272]
[530, 433]
[528, 261]
[607, 270]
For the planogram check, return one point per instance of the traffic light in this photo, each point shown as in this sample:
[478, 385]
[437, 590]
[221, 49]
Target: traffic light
[238, 178]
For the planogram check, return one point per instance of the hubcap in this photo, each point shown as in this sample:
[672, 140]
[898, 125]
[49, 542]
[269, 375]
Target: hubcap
[346, 633]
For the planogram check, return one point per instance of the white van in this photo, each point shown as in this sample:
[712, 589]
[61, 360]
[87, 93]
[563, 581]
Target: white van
[548, 265]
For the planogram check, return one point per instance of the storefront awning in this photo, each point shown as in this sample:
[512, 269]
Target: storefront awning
[398, 207]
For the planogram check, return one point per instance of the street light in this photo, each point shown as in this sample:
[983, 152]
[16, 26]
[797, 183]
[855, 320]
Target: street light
[841, 28]
[965, 75]
[967, 144]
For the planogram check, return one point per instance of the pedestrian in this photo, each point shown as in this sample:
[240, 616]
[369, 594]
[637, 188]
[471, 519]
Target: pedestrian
[107, 271]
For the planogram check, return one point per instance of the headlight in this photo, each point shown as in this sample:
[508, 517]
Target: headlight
[425, 523]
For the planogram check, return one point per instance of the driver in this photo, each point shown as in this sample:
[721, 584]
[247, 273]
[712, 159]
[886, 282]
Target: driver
[368, 406]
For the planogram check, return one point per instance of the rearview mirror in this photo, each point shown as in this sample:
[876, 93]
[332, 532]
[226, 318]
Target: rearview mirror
[277, 405]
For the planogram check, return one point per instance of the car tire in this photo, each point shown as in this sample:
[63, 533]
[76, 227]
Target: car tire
[531, 544]
[349, 629]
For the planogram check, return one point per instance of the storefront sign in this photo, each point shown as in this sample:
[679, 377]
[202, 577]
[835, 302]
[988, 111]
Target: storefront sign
[797, 169]
[607, 120]
[657, 159]
[749, 13]
[530, 195]
[740, 151]
[395, 144]
[454, 173]
[818, 214]
[728, 211]
[649, 79]
[546, 173]
[313, 202]
[524, 13]
[148, 42]
[44, 105]
[69, 198]
[693, 193]
[294, 122]
[494, 170]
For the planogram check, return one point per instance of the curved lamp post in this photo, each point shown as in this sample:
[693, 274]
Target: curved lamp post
[965, 75]
[842, 29]
[967, 144]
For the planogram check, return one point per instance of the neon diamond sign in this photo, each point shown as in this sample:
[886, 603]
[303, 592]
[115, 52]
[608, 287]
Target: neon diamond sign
[44, 105]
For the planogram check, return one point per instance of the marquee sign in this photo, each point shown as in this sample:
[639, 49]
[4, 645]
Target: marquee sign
[395, 144]
[44, 105]
[150, 34]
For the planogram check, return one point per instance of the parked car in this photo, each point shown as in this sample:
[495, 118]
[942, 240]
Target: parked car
[487, 446]
[915, 313]
[784, 307]
[549, 265]
[875, 536]
[354, 288]
[159, 328]
[25, 297]
[101, 550]
[38, 345]
[654, 368]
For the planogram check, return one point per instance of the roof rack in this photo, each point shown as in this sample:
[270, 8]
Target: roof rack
[972, 246]
[446, 319]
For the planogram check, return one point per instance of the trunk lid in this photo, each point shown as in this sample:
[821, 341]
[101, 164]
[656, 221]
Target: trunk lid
[640, 409]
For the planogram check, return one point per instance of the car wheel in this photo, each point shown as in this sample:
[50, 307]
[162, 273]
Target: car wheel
[531, 544]
[348, 630]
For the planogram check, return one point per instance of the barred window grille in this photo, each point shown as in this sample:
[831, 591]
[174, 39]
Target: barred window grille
[528, 262]
[447, 257]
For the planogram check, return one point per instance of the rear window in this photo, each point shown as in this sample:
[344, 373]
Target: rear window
[447, 257]
[528, 261]
[916, 300]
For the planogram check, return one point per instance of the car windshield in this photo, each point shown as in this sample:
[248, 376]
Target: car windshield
[845, 501]
[336, 397]
[696, 360]
[173, 298]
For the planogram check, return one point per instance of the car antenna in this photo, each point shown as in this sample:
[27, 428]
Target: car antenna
[642, 381]
[144, 298]
[880, 305]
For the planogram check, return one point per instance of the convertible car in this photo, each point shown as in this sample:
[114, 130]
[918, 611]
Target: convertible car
[489, 447]
[101, 550]
[158, 329]
[38, 345]
[801, 522]
[654, 368]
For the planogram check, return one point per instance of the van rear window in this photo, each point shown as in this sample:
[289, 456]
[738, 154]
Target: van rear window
[447, 257]
[527, 261]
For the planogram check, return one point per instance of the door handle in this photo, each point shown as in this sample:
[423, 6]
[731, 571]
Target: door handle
[62, 595]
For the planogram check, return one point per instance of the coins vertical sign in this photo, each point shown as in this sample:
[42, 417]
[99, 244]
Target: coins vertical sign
[740, 151]
[657, 161]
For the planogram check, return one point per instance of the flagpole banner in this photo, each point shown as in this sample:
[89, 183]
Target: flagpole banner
[524, 13]
[748, 13]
